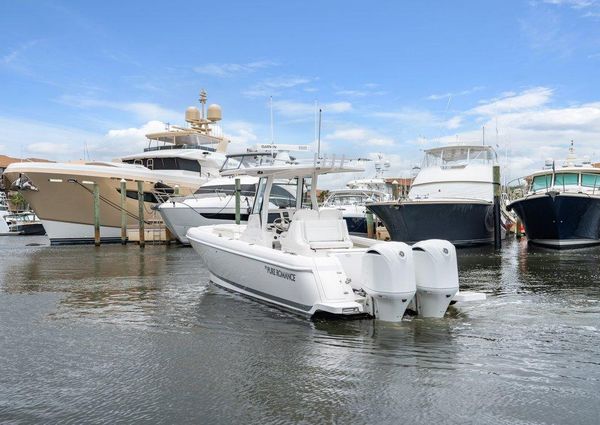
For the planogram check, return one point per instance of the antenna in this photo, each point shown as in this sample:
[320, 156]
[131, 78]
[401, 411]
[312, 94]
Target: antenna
[272, 138]
[319, 136]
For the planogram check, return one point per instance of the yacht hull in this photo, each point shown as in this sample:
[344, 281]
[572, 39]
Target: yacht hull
[463, 223]
[64, 201]
[290, 282]
[356, 225]
[560, 220]
[179, 218]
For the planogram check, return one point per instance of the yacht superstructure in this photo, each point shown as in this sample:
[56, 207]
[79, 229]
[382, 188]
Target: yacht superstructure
[176, 160]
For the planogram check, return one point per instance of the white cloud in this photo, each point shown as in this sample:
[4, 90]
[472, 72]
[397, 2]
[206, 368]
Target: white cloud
[14, 54]
[230, 69]
[575, 4]
[290, 108]
[242, 135]
[47, 148]
[454, 94]
[527, 99]
[273, 86]
[144, 111]
[359, 135]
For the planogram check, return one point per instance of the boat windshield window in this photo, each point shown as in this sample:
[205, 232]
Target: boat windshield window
[590, 180]
[566, 179]
[481, 156]
[541, 182]
[283, 194]
[260, 194]
[339, 200]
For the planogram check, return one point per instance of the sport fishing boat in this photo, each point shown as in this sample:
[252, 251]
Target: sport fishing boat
[560, 207]
[352, 200]
[305, 261]
[214, 201]
[179, 159]
[451, 198]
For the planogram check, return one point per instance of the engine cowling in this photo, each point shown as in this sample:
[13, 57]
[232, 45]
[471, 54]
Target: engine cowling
[388, 277]
[436, 274]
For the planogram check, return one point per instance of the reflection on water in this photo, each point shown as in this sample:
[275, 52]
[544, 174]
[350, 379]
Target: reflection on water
[119, 334]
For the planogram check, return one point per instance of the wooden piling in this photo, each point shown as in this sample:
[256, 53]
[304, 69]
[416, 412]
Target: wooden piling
[497, 214]
[370, 225]
[96, 214]
[140, 190]
[238, 203]
[123, 211]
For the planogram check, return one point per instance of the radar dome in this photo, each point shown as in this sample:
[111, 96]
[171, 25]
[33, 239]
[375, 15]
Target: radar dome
[192, 114]
[213, 113]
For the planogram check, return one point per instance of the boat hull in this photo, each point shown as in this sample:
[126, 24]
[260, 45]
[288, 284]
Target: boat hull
[65, 205]
[560, 220]
[287, 281]
[179, 218]
[356, 225]
[463, 223]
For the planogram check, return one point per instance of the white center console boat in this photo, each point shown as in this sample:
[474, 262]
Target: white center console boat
[306, 262]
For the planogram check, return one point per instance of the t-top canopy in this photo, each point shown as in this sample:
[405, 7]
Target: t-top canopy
[288, 171]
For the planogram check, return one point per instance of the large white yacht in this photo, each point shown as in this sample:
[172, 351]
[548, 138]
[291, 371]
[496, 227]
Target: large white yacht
[352, 200]
[180, 159]
[4, 227]
[306, 262]
[451, 198]
[214, 201]
[560, 205]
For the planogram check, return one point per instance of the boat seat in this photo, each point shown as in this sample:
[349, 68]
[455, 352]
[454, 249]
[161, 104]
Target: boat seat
[310, 230]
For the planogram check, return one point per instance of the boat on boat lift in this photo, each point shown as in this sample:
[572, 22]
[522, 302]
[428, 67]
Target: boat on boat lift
[306, 262]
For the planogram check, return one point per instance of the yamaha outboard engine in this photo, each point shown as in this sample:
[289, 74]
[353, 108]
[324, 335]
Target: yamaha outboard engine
[436, 273]
[388, 277]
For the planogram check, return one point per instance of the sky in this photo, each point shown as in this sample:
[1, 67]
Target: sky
[390, 77]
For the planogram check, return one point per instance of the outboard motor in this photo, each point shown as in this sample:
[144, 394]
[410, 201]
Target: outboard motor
[436, 273]
[388, 277]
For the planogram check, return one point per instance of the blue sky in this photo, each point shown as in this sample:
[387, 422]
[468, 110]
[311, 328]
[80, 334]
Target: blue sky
[391, 77]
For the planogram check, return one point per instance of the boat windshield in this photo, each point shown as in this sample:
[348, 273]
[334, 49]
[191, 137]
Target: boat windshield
[566, 179]
[541, 182]
[590, 180]
[458, 156]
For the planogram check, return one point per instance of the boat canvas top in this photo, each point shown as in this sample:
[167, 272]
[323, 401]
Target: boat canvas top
[290, 171]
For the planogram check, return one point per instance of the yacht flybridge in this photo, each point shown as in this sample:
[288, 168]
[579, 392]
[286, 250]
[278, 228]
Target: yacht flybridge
[306, 262]
[61, 194]
[560, 205]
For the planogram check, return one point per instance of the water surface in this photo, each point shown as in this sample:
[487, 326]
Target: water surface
[118, 334]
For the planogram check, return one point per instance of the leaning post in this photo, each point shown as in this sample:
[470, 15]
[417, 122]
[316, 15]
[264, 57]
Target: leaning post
[140, 188]
[123, 212]
[497, 216]
[96, 214]
[238, 203]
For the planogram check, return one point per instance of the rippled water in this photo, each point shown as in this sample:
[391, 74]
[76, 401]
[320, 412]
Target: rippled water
[116, 334]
